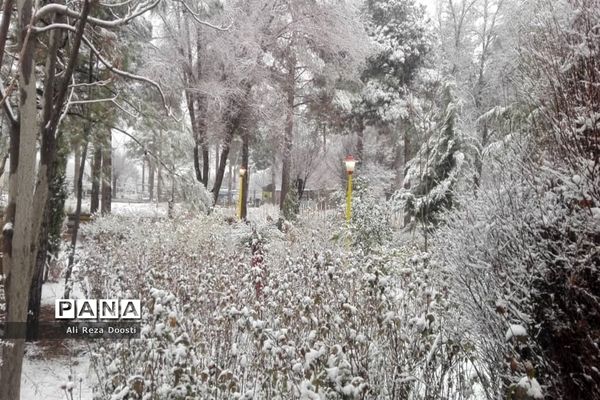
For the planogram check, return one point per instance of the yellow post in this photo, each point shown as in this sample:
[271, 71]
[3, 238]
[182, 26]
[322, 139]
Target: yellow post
[349, 199]
[240, 197]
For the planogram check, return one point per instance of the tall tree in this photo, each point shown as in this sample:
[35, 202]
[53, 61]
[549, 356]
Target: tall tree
[313, 45]
[28, 185]
[402, 41]
[432, 174]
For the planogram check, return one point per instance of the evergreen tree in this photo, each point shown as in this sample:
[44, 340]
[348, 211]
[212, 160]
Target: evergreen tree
[401, 43]
[432, 174]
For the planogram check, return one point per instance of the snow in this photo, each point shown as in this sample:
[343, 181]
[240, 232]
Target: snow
[48, 366]
[125, 207]
[43, 376]
[517, 331]
[534, 390]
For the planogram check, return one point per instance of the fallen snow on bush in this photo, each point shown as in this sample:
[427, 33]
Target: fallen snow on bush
[236, 311]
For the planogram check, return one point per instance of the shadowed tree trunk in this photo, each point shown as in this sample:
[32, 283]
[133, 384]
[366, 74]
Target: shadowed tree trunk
[107, 175]
[222, 163]
[76, 222]
[288, 140]
[84, 151]
[230, 183]
[196, 105]
[115, 181]
[233, 120]
[3, 164]
[143, 174]
[205, 163]
[399, 162]
[360, 138]
[159, 169]
[197, 169]
[245, 156]
[407, 156]
[76, 165]
[49, 239]
[197, 109]
[96, 177]
[217, 157]
[151, 179]
[274, 180]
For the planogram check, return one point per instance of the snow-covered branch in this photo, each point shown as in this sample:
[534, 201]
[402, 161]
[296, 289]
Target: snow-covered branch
[197, 18]
[62, 9]
[126, 74]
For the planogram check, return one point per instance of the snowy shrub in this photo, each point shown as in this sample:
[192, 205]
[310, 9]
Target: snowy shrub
[196, 197]
[291, 204]
[233, 311]
[521, 260]
[370, 222]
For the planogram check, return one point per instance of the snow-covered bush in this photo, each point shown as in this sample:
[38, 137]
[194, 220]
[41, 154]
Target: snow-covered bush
[370, 222]
[233, 311]
[520, 256]
[196, 197]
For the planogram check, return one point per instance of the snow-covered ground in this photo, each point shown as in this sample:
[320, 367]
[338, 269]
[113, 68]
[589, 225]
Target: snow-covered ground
[123, 207]
[50, 365]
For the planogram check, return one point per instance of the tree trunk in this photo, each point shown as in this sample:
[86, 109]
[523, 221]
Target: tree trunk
[217, 150]
[76, 222]
[221, 170]
[22, 228]
[151, 179]
[286, 160]
[230, 183]
[7, 8]
[107, 175]
[96, 178]
[197, 163]
[360, 137]
[158, 184]
[48, 238]
[143, 174]
[406, 160]
[233, 119]
[115, 181]
[3, 164]
[159, 169]
[19, 246]
[223, 159]
[399, 161]
[274, 181]
[75, 231]
[245, 156]
[77, 164]
[479, 157]
[205, 164]
[192, 100]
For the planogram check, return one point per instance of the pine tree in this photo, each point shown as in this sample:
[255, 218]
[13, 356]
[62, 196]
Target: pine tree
[431, 175]
[401, 40]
